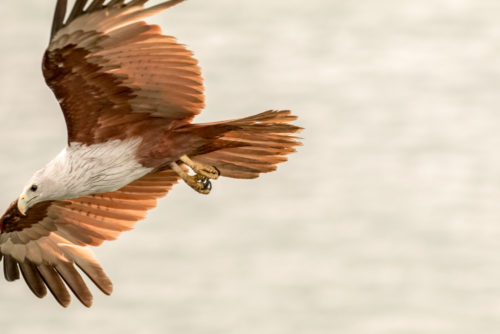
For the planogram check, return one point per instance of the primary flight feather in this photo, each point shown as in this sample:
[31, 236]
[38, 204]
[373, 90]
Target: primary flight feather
[128, 95]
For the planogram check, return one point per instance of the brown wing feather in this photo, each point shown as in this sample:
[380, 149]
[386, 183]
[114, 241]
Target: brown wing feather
[55, 284]
[33, 279]
[50, 241]
[95, 5]
[58, 21]
[75, 282]
[116, 76]
[10, 269]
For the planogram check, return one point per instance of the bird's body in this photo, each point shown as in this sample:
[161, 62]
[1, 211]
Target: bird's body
[128, 95]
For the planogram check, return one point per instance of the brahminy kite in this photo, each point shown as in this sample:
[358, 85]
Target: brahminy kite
[128, 94]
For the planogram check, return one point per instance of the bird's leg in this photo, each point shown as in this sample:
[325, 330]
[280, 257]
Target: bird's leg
[198, 182]
[210, 172]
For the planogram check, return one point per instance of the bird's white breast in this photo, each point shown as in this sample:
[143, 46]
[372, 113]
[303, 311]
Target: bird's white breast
[98, 168]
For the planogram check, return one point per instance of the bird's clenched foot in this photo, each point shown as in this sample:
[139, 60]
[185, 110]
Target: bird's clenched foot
[200, 182]
[210, 172]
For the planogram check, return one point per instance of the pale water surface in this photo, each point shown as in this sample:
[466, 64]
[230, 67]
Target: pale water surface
[386, 221]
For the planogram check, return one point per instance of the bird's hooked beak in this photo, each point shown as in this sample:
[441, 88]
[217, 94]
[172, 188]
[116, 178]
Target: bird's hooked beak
[22, 204]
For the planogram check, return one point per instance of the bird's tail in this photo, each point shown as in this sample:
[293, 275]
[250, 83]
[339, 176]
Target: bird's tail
[246, 147]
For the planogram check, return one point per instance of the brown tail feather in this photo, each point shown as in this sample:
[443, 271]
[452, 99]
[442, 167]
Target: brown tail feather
[246, 147]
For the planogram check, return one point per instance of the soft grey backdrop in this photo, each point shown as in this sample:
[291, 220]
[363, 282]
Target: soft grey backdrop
[386, 221]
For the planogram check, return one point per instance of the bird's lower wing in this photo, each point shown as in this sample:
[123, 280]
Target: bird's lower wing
[48, 244]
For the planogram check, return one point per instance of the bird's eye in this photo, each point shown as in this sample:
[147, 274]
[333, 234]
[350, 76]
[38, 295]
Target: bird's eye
[34, 188]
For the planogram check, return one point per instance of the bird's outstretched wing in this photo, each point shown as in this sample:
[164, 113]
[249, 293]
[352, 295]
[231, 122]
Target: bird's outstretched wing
[48, 243]
[116, 76]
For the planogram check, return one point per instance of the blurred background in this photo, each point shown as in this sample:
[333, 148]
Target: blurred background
[387, 220]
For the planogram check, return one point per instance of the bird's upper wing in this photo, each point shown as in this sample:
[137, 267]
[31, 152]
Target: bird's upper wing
[116, 76]
[47, 243]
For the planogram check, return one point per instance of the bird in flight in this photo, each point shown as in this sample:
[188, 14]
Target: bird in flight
[128, 94]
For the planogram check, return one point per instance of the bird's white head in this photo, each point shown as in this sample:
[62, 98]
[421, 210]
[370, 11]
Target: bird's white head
[40, 188]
